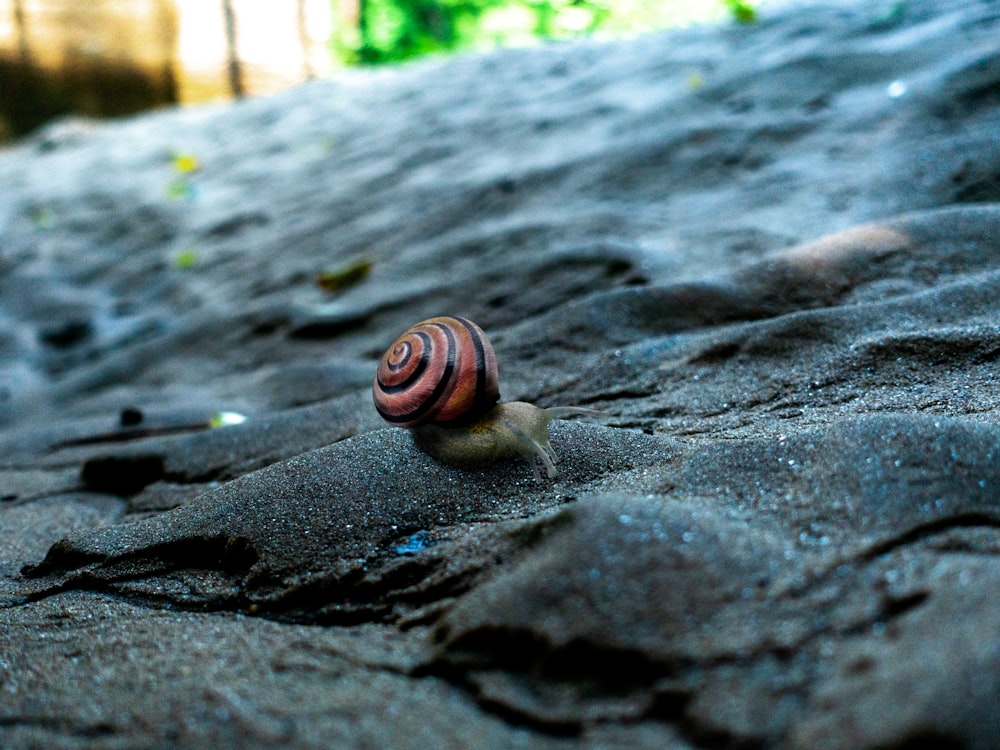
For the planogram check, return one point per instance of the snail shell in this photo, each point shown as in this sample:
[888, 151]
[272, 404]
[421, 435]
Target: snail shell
[441, 371]
[439, 379]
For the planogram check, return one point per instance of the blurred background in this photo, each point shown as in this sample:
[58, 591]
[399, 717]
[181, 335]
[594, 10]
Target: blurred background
[106, 58]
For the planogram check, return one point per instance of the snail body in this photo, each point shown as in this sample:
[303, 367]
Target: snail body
[440, 380]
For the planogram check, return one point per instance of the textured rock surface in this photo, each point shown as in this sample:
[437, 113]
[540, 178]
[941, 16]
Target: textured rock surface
[769, 253]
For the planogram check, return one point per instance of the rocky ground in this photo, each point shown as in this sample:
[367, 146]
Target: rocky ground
[769, 253]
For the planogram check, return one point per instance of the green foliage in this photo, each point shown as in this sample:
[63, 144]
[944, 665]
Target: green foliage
[185, 259]
[344, 276]
[394, 30]
[742, 11]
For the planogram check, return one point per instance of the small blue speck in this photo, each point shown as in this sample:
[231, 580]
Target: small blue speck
[416, 543]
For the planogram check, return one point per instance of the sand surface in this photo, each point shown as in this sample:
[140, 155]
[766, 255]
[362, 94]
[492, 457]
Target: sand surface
[768, 253]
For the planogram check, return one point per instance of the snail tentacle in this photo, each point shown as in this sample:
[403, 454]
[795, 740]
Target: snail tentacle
[532, 448]
[534, 442]
[509, 429]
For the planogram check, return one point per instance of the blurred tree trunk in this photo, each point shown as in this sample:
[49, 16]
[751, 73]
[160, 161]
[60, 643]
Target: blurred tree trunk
[116, 57]
[232, 51]
[58, 57]
[22, 36]
[363, 18]
[169, 27]
[303, 29]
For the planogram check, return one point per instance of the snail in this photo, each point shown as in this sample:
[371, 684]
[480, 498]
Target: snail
[439, 380]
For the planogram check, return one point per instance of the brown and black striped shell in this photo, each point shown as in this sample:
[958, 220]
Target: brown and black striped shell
[442, 371]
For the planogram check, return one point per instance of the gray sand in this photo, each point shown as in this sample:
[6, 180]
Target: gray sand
[768, 253]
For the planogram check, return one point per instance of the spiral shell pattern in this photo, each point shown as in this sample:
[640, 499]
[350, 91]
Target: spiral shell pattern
[441, 371]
